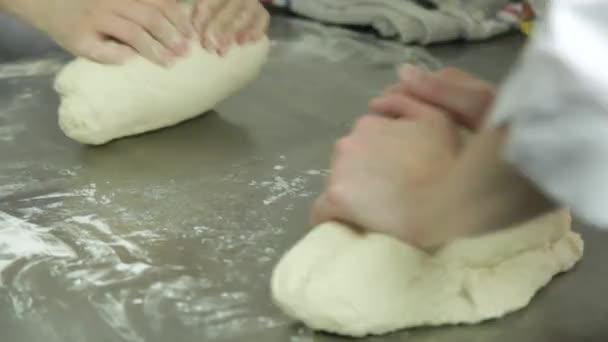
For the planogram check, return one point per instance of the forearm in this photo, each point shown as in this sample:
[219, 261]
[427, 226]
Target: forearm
[483, 192]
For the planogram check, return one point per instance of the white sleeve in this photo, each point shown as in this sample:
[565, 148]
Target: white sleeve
[556, 105]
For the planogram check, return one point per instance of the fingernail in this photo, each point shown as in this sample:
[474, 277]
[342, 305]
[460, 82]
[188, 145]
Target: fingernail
[178, 47]
[409, 73]
[169, 59]
[228, 43]
[223, 49]
[212, 40]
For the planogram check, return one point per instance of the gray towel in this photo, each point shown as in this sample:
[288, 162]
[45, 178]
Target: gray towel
[409, 20]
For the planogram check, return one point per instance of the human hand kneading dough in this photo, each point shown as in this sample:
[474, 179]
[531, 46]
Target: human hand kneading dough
[385, 169]
[465, 98]
[222, 23]
[408, 175]
[110, 31]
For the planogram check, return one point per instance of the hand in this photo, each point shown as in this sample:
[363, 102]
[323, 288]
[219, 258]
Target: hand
[383, 171]
[465, 98]
[221, 23]
[110, 31]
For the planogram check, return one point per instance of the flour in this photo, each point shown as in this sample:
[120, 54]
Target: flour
[281, 187]
[88, 193]
[21, 239]
[9, 189]
[91, 220]
[43, 67]
[118, 252]
[338, 45]
[8, 133]
[10, 126]
[338, 280]
[146, 97]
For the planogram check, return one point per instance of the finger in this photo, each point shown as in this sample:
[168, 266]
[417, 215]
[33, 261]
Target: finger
[455, 74]
[203, 14]
[221, 27]
[397, 105]
[320, 212]
[396, 88]
[369, 124]
[247, 21]
[429, 241]
[136, 37]
[324, 210]
[404, 107]
[259, 29]
[176, 15]
[468, 101]
[155, 23]
[243, 21]
[105, 51]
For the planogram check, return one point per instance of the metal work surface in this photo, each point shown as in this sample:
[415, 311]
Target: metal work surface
[171, 236]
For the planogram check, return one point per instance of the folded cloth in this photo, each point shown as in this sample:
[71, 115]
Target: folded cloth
[411, 21]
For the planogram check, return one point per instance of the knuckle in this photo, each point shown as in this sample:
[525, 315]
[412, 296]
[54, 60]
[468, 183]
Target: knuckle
[335, 196]
[432, 86]
[132, 35]
[451, 72]
[366, 122]
[136, 34]
[344, 144]
[154, 22]
[264, 15]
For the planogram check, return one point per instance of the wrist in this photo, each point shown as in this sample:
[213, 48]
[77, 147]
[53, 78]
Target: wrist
[445, 213]
[481, 193]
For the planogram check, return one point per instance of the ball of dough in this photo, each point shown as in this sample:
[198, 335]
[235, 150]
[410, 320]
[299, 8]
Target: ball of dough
[340, 281]
[100, 103]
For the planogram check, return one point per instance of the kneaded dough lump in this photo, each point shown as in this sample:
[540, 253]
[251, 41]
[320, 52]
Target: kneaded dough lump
[339, 281]
[100, 103]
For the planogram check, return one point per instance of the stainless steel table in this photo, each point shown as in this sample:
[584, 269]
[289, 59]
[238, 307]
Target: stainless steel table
[171, 236]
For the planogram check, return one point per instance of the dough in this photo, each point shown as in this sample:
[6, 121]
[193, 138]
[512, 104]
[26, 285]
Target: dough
[339, 281]
[100, 103]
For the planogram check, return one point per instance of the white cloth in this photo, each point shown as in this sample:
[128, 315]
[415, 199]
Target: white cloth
[556, 104]
[409, 21]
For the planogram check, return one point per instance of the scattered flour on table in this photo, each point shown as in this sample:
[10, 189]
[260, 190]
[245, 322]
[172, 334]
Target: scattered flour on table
[281, 187]
[159, 261]
[22, 239]
[41, 67]
[10, 126]
[339, 45]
